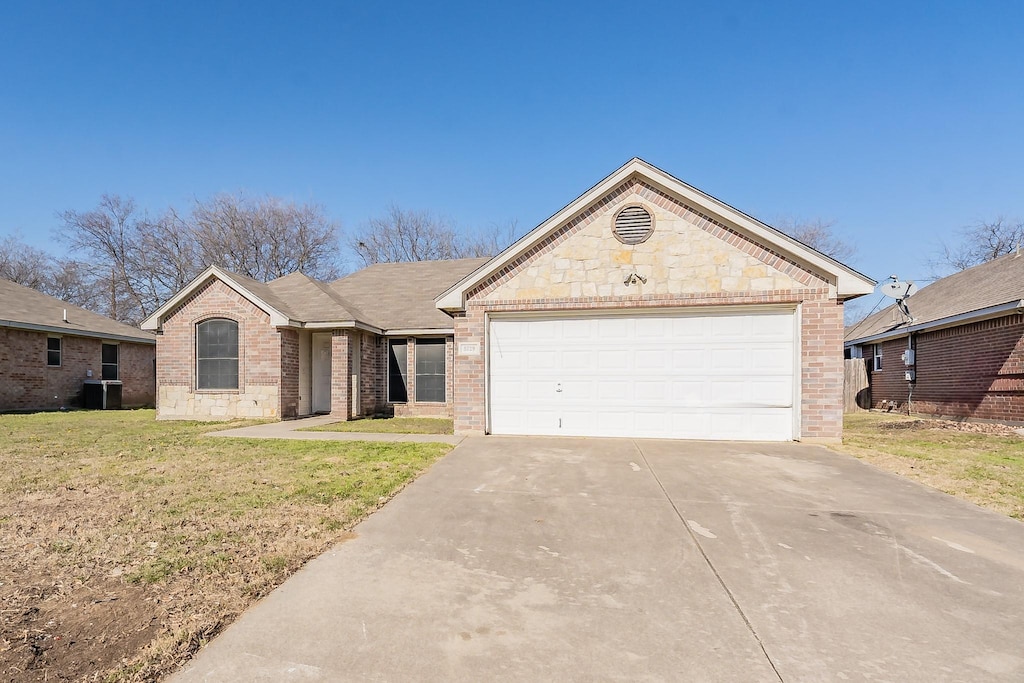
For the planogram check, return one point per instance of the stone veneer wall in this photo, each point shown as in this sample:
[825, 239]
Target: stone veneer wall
[30, 384]
[259, 364]
[691, 260]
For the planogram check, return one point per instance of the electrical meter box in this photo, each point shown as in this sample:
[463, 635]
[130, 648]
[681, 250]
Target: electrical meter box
[910, 375]
[908, 357]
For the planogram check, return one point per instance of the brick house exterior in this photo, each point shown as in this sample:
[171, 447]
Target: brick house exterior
[278, 325]
[700, 260]
[966, 332]
[702, 256]
[49, 349]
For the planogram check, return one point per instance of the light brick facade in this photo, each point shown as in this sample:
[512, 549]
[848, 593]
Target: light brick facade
[260, 368]
[269, 367]
[702, 256]
[30, 384]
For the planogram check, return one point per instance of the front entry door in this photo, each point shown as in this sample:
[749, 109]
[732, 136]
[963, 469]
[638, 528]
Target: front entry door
[322, 373]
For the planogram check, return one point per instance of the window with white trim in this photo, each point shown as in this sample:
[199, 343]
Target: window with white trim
[430, 370]
[876, 355]
[217, 354]
[53, 351]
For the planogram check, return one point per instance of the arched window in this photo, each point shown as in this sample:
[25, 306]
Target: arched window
[217, 354]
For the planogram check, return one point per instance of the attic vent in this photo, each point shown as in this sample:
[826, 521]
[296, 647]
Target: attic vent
[633, 225]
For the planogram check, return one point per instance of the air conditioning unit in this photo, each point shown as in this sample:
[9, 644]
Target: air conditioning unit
[101, 394]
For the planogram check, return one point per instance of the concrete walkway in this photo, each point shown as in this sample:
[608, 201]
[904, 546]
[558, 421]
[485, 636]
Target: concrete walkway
[289, 429]
[531, 559]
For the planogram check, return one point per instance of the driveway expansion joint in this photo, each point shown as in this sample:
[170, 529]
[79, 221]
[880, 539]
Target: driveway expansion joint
[707, 560]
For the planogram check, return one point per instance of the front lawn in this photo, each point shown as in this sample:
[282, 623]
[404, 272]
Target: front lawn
[126, 543]
[979, 462]
[389, 425]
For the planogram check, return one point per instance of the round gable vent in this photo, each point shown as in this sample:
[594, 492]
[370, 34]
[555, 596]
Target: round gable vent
[633, 224]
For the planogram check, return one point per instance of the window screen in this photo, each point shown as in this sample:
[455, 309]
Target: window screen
[430, 370]
[398, 371]
[109, 360]
[53, 351]
[217, 354]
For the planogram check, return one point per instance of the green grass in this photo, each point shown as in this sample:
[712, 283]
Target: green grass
[209, 524]
[987, 469]
[390, 425]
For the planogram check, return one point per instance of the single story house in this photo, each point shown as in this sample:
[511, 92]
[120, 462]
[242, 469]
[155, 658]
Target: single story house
[643, 308]
[960, 352]
[50, 349]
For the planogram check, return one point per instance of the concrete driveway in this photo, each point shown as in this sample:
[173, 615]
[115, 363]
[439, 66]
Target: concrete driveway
[575, 559]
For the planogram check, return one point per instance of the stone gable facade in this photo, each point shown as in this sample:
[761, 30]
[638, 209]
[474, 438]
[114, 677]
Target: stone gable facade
[691, 261]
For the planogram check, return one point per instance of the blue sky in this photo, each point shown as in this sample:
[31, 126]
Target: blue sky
[899, 121]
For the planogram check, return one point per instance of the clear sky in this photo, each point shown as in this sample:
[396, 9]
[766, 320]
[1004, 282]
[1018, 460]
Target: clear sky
[900, 121]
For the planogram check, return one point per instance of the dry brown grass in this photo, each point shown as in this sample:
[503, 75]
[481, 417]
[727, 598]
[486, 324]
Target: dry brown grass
[126, 543]
[981, 463]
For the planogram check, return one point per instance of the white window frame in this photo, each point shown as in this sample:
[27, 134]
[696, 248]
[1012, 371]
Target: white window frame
[876, 358]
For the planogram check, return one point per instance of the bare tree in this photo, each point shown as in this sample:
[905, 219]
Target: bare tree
[265, 238]
[64, 278]
[492, 241]
[136, 262]
[980, 242]
[24, 264]
[405, 235]
[820, 235]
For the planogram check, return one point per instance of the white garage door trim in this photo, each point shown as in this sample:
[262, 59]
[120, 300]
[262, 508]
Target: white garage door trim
[776, 419]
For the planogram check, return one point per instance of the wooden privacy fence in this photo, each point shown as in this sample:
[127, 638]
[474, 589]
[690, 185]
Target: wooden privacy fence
[856, 390]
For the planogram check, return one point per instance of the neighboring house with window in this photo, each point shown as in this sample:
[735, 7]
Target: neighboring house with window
[961, 351]
[643, 308]
[49, 349]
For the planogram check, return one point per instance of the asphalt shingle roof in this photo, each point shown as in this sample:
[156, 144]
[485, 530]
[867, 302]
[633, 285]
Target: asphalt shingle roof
[997, 282]
[398, 296]
[24, 307]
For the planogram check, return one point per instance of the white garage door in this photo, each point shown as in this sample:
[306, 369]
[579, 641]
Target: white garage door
[722, 376]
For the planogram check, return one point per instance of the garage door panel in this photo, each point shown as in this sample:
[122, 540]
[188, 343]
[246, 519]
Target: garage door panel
[679, 376]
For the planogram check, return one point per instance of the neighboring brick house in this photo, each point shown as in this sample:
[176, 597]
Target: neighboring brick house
[49, 349]
[966, 335]
[643, 308]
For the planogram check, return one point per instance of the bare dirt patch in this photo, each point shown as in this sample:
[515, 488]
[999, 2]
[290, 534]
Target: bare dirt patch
[126, 544]
[952, 426]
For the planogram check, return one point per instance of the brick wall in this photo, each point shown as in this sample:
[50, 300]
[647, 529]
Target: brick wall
[289, 373]
[341, 364]
[373, 374]
[973, 371]
[821, 370]
[30, 384]
[259, 392]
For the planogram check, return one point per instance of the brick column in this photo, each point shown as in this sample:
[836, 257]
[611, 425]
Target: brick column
[821, 372]
[341, 371]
